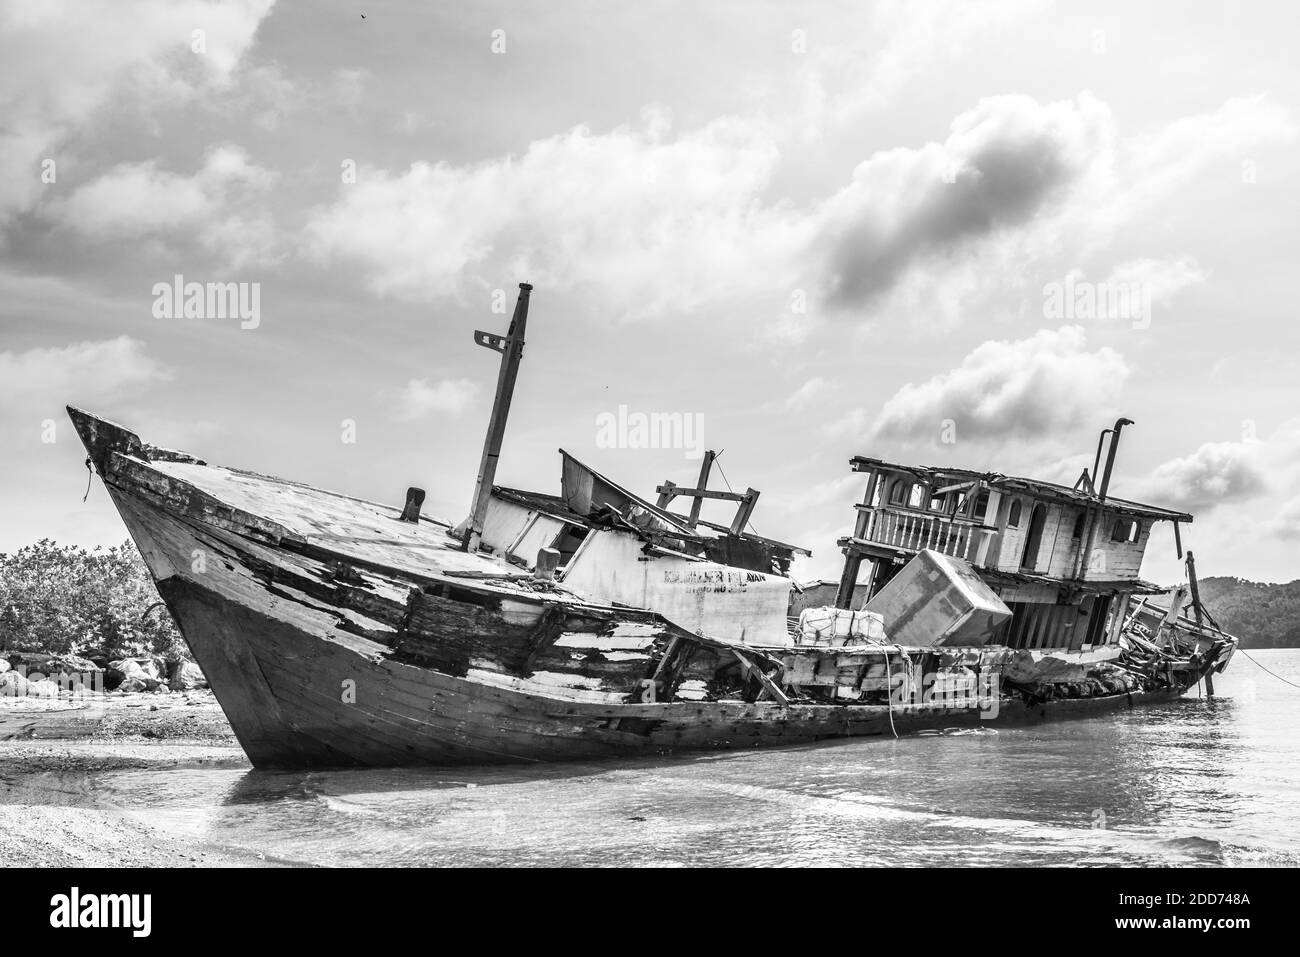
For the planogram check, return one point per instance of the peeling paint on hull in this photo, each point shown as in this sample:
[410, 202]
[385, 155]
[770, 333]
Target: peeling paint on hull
[320, 665]
[281, 683]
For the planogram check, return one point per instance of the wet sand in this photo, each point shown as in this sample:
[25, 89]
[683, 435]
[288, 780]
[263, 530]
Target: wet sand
[46, 743]
[190, 716]
[1188, 783]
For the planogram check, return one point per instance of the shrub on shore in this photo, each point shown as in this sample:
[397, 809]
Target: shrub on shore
[98, 604]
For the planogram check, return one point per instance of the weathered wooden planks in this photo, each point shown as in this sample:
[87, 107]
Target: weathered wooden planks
[333, 633]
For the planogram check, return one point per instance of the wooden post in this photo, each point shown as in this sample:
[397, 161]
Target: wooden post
[747, 502]
[414, 499]
[548, 560]
[705, 467]
[848, 579]
[512, 349]
[666, 494]
[1196, 588]
[860, 527]
[1200, 615]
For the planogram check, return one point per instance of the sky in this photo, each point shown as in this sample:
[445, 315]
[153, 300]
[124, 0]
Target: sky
[948, 234]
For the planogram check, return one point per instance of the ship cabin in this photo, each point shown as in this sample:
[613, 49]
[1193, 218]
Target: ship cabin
[1066, 561]
[612, 546]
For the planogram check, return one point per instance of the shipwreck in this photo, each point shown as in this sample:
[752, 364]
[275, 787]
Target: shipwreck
[589, 621]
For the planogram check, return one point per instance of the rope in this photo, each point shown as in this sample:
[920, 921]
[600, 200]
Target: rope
[90, 476]
[1277, 676]
[748, 524]
[889, 692]
[1286, 681]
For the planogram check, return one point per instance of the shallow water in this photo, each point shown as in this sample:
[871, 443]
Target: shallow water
[1196, 782]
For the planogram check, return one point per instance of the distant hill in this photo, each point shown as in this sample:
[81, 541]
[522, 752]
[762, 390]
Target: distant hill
[1261, 615]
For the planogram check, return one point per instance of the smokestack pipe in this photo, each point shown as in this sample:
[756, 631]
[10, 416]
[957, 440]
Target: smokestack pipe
[1094, 512]
[1096, 461]
[1110, 456]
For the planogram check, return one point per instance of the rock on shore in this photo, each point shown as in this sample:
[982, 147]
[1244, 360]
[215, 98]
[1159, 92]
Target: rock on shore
[39, 675]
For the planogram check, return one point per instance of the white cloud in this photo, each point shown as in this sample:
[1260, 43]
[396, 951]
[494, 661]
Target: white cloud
[1028, 388]
[843, 491]
[218, 205]
[60, 63]
[807, 396]
[851, 423]
[1225, 473]
[1287, 524]
[1003, 161]
[653, 221]
[895, 242]
[1162, 277]
[842, 80]
[648, 220]
[645, 220]
[1216, 473]
[1161, 164]
[1246, 498]
[420, 398]
[80, 372]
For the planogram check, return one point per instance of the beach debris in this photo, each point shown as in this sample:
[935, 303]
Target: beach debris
[187, 677]
[835, 627]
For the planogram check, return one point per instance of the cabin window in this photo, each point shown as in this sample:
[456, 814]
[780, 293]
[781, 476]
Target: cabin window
[1034, 540]
[917, 496]
[1078, 525]
[877, 493]
[1013, 515]
[937, 502]
[981, 507]
[897, 492]
[568, 540]
[1126, 530]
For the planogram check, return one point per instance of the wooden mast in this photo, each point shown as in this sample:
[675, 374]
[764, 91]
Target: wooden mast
[1200, 615]
[512, 350]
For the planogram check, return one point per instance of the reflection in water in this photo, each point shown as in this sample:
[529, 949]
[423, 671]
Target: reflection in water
[1194, 782]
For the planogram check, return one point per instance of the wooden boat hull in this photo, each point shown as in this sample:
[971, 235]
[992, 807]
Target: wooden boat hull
[297, 696]
[309, 674]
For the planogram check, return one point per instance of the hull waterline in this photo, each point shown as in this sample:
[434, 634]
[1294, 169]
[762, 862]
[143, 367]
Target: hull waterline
[330, 647]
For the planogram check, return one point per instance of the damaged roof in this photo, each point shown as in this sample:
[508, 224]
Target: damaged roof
[1047, 490]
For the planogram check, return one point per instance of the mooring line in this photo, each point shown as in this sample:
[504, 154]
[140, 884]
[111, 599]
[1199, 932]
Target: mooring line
[1277, 676]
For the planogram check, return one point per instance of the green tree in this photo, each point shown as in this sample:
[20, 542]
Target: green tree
[61, 599]
[1262, 615]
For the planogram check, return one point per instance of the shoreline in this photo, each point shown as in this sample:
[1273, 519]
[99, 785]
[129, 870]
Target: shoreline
[47, 743]
[177, 717]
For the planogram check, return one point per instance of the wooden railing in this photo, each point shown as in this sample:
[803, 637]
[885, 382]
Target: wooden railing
[914, 531]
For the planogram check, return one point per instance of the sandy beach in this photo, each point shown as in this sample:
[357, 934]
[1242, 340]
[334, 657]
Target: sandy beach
[46, 744]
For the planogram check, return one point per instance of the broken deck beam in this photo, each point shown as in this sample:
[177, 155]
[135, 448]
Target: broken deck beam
[768, 685]
[672, 491]
[747, 503]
